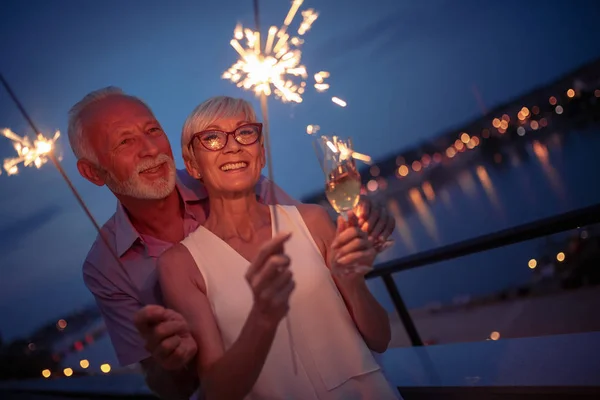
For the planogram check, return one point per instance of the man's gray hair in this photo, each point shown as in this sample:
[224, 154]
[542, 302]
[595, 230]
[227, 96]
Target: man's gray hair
[207, 113]
[80, 144]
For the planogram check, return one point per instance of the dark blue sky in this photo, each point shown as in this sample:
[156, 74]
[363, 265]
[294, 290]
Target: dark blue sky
[406, 70]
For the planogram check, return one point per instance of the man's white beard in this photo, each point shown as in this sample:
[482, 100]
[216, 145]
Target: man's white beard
[137, 188]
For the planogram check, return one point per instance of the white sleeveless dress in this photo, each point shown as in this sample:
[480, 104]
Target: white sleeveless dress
[332, 358]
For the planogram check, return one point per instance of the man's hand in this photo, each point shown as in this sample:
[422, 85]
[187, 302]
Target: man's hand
[167, 336]
[374, 219]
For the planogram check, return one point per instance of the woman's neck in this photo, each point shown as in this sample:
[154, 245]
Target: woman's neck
[237, 216]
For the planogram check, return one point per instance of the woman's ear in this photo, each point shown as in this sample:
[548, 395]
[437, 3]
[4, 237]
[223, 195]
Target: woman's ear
[192, 168]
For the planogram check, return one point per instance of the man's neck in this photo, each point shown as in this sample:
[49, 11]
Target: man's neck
[161, 219]
[238, 216]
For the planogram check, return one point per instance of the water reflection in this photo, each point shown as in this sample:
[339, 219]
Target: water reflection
[401, 227]
[488, 186]
[445, 197]
[467, 183]
[541, 152]
[424, 213]
[428, 190]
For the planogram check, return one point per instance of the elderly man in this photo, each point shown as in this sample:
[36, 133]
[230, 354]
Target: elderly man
[119, 143]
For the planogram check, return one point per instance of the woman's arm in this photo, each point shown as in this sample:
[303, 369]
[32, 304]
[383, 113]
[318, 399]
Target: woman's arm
[223, 374]
[370, 317]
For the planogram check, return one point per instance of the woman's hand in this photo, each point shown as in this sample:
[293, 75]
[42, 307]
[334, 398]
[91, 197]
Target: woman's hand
[271, 282]
[352, 253]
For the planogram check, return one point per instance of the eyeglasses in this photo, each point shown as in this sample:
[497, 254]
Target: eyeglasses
[215, 140]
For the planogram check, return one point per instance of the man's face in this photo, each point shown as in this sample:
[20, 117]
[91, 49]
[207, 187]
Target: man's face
[134, 154]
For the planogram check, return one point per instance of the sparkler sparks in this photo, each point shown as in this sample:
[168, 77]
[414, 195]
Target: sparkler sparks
[339, 146]
[310, 129]
[319, 81]
[338, 101]
[276, 69]
[29, 154]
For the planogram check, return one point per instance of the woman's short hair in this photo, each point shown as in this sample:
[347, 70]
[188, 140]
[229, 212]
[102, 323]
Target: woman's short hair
[207, 113]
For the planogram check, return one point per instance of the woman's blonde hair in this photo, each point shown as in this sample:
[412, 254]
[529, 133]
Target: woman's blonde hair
[207, 113]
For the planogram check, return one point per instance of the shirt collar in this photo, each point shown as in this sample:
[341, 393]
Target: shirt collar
[126, 234]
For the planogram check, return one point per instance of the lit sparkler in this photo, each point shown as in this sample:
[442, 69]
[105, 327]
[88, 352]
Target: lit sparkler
[339, 101]
[30, 154]
[337, 146]
[310, 129]
[320, 85]
[274, 68]
[44, 151]
[277, 67]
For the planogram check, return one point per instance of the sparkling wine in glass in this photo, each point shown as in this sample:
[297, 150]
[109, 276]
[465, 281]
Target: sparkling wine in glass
[342, 187]
[342, 180]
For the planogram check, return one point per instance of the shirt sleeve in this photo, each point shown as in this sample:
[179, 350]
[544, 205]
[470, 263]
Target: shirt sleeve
[118, 310]
[263, 190]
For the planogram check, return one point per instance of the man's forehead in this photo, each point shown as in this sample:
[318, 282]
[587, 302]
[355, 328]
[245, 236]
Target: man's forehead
[117, 110]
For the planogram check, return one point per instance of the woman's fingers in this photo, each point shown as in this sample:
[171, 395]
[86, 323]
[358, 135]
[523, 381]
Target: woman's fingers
[346, 236]
[283, 296]
[364, 257]
[270, 248]
[273, 267]
[356, 244]
[276, 286]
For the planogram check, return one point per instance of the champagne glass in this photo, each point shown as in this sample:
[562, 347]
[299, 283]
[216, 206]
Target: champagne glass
[342, 179]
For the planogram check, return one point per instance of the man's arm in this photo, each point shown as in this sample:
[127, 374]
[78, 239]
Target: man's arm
[119, 310]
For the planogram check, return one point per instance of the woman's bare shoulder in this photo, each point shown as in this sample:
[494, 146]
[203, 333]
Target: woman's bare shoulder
[177, 255]
[319, 223]
[178, 262]
[314, 213]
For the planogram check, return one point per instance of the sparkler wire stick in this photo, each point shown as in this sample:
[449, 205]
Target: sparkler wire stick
[265, 116]
[60, 169]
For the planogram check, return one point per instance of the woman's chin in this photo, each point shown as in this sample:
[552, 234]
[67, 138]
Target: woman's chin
[235, 186]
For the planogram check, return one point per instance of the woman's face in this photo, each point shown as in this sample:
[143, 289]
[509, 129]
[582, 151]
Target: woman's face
[233, 169]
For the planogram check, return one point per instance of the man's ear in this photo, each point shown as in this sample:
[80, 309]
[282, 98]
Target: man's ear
[192, 169]
[90, 171]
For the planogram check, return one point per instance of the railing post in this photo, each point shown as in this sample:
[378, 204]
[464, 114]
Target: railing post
[405, 317]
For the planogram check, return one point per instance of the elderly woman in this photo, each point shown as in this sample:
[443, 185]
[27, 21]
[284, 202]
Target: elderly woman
[234, 279]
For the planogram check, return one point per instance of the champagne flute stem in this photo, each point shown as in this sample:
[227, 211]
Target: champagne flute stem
[344, 215]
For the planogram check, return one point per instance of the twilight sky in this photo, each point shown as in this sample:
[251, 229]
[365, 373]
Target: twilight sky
[406, 68]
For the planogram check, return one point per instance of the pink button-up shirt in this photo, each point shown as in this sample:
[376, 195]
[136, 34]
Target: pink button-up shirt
[121, 291]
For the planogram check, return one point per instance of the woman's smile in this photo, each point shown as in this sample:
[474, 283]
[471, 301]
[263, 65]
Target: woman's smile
[234, 166]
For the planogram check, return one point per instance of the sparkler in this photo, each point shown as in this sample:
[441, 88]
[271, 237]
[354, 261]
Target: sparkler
[310, 129]
[29, 154]
[45, 151]
[338, 101]
[273, 69]
[277, 67]
[336, 146]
